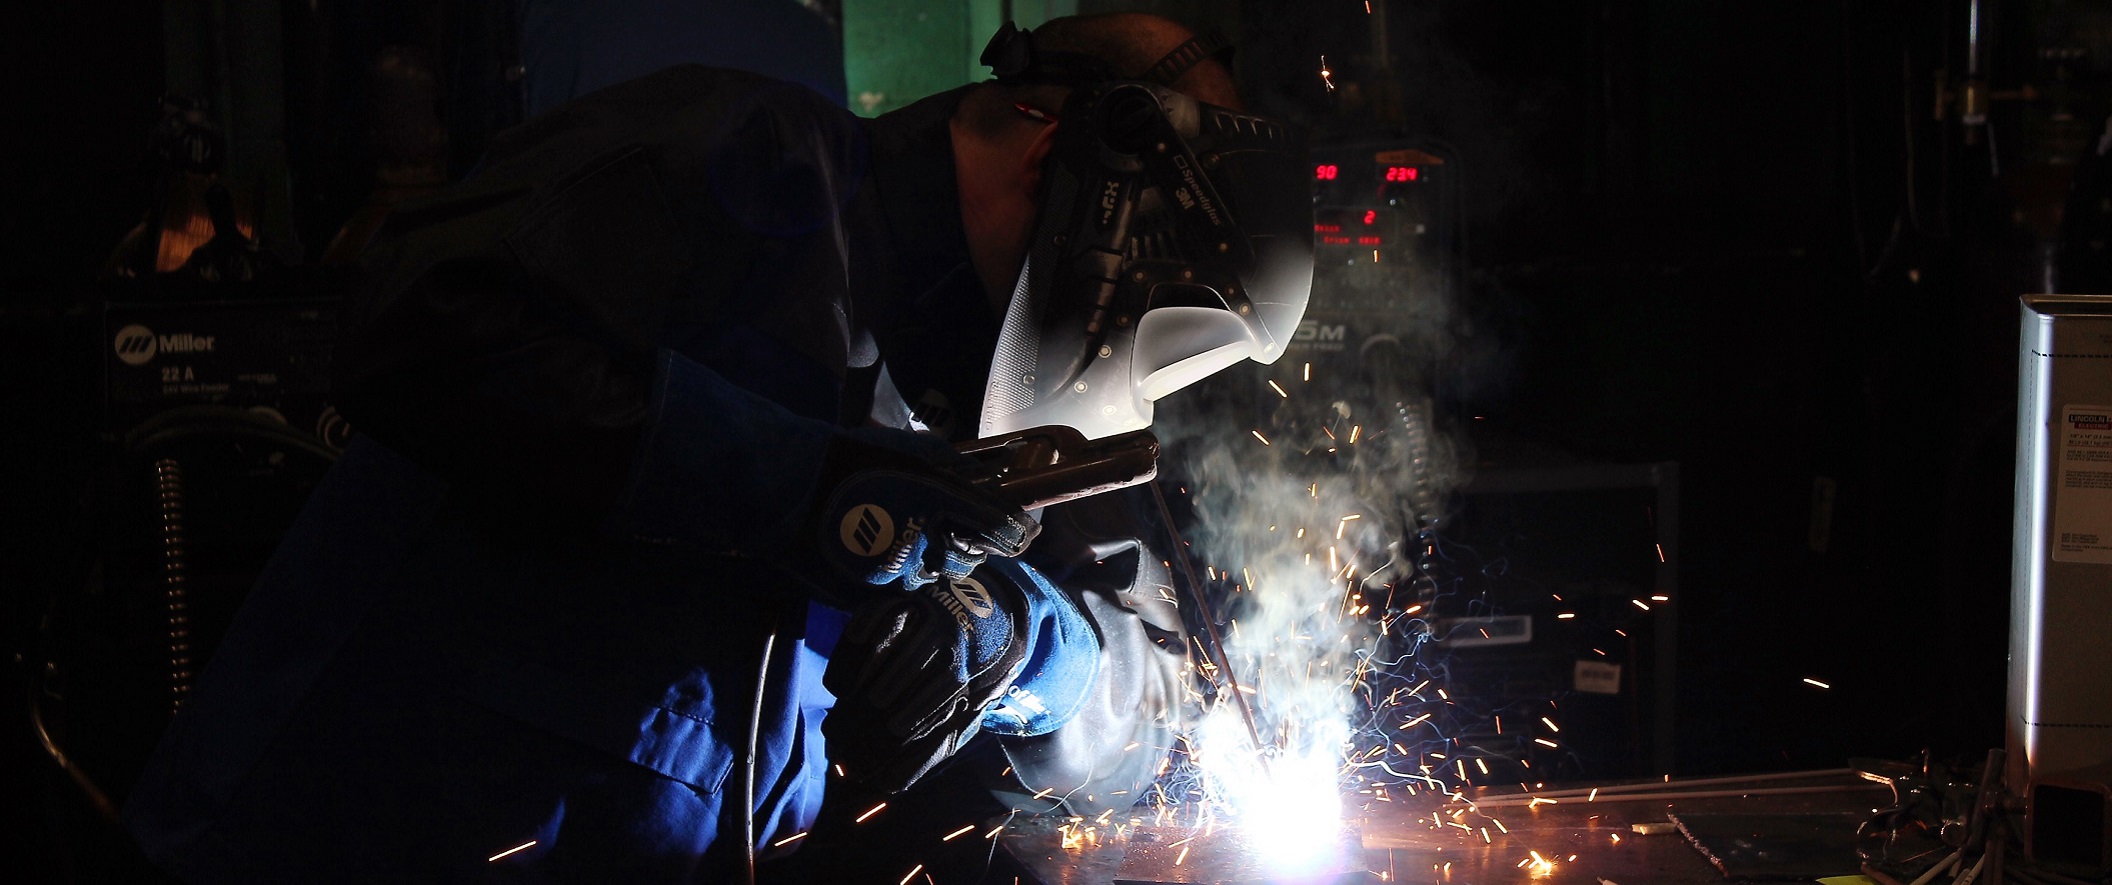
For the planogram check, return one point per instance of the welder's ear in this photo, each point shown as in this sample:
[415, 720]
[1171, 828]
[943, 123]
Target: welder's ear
[1036, 154]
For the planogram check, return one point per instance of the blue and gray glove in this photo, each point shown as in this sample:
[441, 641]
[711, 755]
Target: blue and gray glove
[916, 676]
[844, 509]
[895, 505]
[1063, 657]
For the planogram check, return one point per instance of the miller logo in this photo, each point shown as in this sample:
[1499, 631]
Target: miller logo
[968, 600]
[137, 345]
[867, 530]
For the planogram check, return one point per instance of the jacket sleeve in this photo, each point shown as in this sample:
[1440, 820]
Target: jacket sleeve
[616, 327]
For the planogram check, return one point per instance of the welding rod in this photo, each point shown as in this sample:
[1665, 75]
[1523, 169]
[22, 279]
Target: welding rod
[1202, 607]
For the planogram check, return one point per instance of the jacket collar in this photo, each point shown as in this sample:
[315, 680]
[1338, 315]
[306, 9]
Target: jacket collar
[920, 199]
[938, 338]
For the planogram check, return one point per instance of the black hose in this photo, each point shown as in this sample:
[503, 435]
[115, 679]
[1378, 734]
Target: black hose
[97, 799]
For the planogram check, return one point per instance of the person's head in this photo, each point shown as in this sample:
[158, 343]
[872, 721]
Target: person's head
[1000, 148]
[1164, 233]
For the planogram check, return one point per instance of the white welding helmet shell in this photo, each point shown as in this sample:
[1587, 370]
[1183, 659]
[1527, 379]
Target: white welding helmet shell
[1169, 348]
[1175, 240]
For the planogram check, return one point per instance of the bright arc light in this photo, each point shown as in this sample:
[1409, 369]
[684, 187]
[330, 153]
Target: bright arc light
[1289, 808]
[1293, 812]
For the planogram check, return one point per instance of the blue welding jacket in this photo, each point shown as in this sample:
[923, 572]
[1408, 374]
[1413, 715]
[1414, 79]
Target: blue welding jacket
[415, 695]
[529, 605]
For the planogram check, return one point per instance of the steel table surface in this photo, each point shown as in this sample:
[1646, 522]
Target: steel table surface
[1401, 843]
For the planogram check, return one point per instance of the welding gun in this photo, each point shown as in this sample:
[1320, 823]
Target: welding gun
[1040, 466]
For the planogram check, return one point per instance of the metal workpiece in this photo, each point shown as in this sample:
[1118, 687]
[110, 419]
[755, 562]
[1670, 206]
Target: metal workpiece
[2059, 717]
[1072, 851]
[1587, 835]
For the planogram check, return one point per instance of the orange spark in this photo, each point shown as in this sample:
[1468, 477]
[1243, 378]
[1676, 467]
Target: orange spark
[521, 847]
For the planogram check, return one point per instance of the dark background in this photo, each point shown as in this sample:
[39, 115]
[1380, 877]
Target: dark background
[1735, 235]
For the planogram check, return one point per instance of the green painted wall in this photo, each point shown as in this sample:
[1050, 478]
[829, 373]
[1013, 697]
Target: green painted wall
[898, 51]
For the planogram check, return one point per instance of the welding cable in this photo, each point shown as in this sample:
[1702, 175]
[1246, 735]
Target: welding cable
[141, 444]
[755, 728]
[1973, 875]
[1880, 878]
[97, 799]
[157, 437]
[1990, 784]
[1937, 870]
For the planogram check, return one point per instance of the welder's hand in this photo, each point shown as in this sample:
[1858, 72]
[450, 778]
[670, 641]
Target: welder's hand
[914, 674]
[1063, 655]
[894, 505]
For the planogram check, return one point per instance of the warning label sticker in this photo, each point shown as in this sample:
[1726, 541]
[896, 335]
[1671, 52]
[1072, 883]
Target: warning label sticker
[1598, 677]
[2082, 500]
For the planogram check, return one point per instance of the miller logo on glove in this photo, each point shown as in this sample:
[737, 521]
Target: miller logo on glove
[894, 505]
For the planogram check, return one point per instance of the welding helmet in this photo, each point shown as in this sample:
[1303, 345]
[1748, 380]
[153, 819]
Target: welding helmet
[1175, 239]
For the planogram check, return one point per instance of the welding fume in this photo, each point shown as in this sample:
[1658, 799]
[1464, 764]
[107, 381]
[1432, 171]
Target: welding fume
[661, 536]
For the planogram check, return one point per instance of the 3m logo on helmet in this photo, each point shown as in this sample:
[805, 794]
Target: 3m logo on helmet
[867, 530]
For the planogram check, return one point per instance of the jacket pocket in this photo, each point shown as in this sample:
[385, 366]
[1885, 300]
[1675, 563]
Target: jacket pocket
[674, 737]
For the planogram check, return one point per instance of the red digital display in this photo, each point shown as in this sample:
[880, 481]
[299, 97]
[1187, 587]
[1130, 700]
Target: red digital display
[1347, 226]
[1402, 173]
[1326, 172]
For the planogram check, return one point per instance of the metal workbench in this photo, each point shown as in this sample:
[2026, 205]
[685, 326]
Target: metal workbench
[1582, 840]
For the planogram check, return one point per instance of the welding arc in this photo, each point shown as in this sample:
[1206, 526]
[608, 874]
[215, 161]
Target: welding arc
[1202, 607]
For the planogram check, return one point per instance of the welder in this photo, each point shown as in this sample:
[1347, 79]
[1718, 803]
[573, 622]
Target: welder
[655, 526]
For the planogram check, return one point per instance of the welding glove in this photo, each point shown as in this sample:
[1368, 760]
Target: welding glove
[917, 676]
[842, 509]
[1063, 657]
[894, 506]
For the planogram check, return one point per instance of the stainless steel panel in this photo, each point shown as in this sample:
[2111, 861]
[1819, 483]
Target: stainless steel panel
[2060, 665]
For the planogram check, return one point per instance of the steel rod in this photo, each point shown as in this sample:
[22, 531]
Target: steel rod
[1202, 607]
